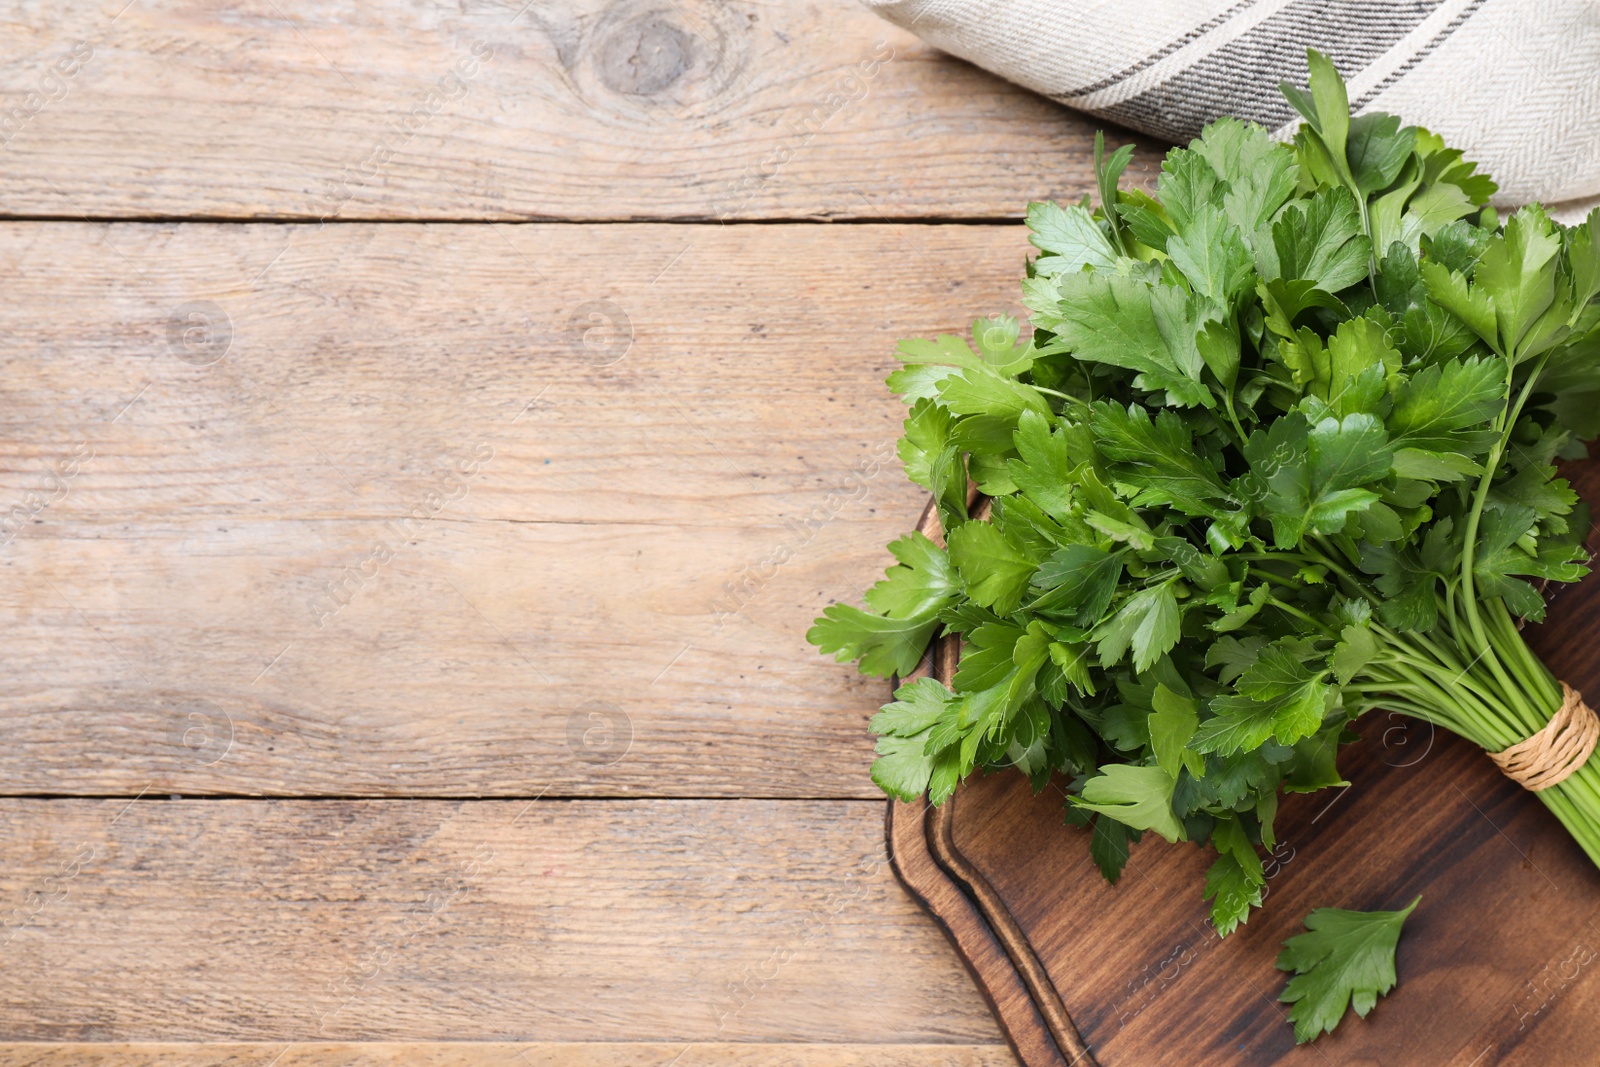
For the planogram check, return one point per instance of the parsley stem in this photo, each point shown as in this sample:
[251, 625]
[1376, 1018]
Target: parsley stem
[1302, 616]
[1468, 707]
[1057, 393]
[1227, 400]
[1327, 560]
[1540, 683]
[1505, 424]
[1417, 639]
[1372, 248]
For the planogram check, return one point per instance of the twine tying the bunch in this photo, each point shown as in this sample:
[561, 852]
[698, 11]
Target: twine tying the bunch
[1556, 751]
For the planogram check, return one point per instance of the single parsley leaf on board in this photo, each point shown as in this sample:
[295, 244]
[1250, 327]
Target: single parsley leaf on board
[1345, 960]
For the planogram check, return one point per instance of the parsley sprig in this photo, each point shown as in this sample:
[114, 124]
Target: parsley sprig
[1278, 450]
[1344, 960]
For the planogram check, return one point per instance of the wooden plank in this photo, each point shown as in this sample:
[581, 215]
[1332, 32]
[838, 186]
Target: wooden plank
[597, 109]
[201, 605]
[553, 921]
[513, 1054]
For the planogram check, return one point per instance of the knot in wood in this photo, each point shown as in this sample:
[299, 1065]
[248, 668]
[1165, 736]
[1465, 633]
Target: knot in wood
[646, 55]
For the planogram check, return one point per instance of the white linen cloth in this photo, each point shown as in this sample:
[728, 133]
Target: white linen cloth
[1515, 84]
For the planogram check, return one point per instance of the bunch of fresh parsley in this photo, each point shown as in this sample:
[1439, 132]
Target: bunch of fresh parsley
[1278, 451]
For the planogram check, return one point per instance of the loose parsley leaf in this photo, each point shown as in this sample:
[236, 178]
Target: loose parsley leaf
[1345, 960]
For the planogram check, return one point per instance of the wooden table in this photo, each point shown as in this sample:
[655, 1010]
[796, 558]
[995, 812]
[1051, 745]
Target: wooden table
[429, 430]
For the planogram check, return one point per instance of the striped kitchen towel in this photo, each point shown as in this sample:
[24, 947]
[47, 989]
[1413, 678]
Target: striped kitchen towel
[1516, 83]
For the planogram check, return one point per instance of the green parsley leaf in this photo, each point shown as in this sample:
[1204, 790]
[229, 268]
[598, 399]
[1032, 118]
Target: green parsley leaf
[907, 603]
[1307, 479]
[1156, 458]
[1108, 846]
[903, 768]
[1172, 724]
[1071, 237]
[1211, 253]
[1318, 240]
[1138, 797]
[1345, 960]
[1077, 582]
[1148, 620]
[995, 570]
[1130, 323]
[1234, 882]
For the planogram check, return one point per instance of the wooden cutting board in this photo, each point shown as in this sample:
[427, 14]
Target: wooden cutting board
[1497, 965]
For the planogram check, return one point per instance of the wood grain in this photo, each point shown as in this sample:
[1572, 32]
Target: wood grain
[234, 559]
[626, 109]
[512, 1054]
[615, 601]
[543, 921]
